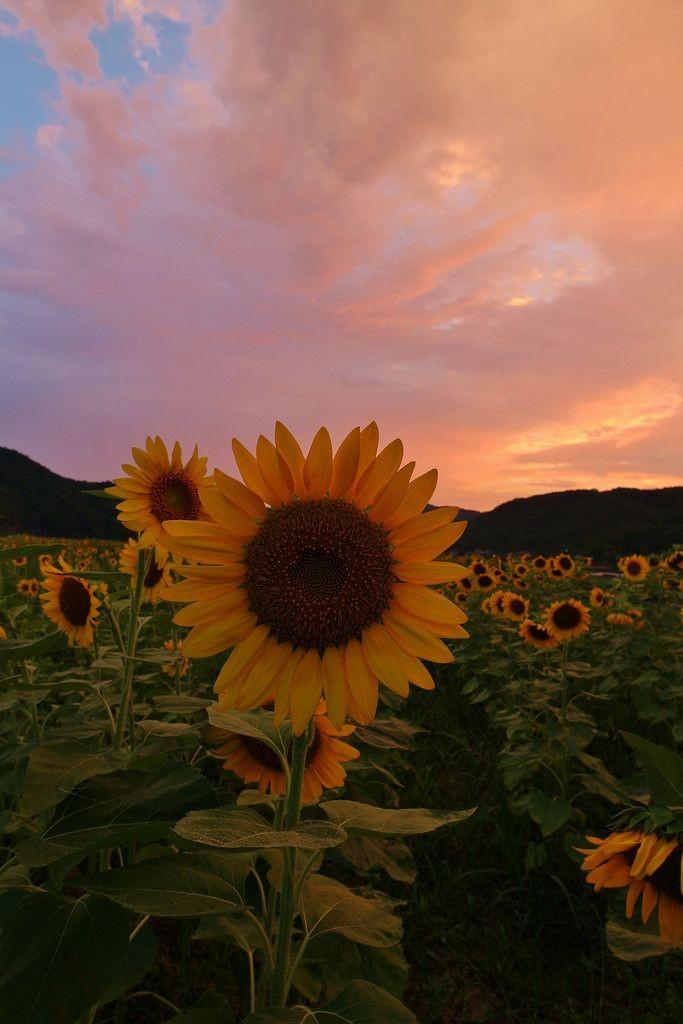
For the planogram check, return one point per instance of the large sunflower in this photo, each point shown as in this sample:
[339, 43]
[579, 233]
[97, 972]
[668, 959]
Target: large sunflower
[634, 567]
[316, 571]
[566, 619]
[650, 866]
[70, 603]
[158, 576]
[159, 487]
[254, 761]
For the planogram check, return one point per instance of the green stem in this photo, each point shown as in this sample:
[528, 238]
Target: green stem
[280, 988]
[565, 764]
[143, 560]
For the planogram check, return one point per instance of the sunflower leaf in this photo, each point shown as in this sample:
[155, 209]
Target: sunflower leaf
[364, 819]
[663, 768]
[257, 724]
[360, 1002]
[239, 828]
[56, 768]
[51, 643]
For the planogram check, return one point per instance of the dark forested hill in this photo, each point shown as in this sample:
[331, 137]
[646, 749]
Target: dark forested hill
[35, 500]
[599, 523]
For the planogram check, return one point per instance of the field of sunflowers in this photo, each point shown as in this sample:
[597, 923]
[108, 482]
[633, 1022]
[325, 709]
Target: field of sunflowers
[223, 801]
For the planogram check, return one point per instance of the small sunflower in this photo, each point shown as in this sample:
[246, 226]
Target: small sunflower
[478, 568]
[44, 560]
[634, 567]
[21, 560]
[493, 604]
[620, 619]
[70, 603]
[565, 563]
[540, 562]
[521, 569]
[254, 761]
[316, 572]
[158, 577]
[648, 866]
[675, 561]
[536, 635]
[654, 561]
[567, 619]
[159, 488]
[24, 587]
[466, 584]
[181, 663]
[484, 581]
[521, 584]
[597, 597]
[515, 608]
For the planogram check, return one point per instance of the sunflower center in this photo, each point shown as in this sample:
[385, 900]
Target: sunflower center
[566, 616]
[74, 601]
[517, 607]
[267, 758]
[318, 573]
[633, 568]
[565, 563]
[538, 632]
[153, 575]
[174, 496]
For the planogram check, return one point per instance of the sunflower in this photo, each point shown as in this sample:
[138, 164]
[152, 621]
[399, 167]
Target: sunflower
[597, 597]
[24, 587]
[566, 619]
[316, 571]
[466, 584]
[181, 663]
[44, 560]
[521, 584]
[634, 567]
[620, 619]
[493, 604]
[521, 569]
[158, 576]
[478, 568]
[565, 563]
[515, 608]
[654, 561]
[254, 761]
[159, 488]
[540, 562]
[70, 603]
[675, 561]
[21, 560]
[536, 635]
[647, 865]
[484, 581]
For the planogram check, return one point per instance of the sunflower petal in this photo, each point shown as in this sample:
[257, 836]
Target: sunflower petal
[418, 494]
[334, 686]
[306, 689]
[378, 474]
[345, 464]
[318, 465]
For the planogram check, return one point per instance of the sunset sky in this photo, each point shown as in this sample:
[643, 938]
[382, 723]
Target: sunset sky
[461, 218]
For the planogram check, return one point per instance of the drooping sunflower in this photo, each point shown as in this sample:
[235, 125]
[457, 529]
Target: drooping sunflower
[537, 635]
[316, 571]
[254, 761]
[515, 608]
[567, 619]
[634, 567]
[70, 603]
[649, 866]
[597, 597]
[158, 577]
[620, 619]
[159, 488]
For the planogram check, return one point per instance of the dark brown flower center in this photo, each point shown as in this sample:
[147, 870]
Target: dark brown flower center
[74, 601]
[539, 563]
[633, 568]
[485, 581]
[567, 616]
[174, 496]
[517, 607]
[537, 632]
[153, 574]
[565, 562]
[318, 572]
[266, 756]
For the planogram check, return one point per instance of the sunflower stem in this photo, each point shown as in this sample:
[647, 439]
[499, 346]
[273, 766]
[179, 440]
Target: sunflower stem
[143, 561]
[280, 988]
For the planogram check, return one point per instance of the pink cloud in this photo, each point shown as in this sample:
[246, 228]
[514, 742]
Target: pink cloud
[461, 219]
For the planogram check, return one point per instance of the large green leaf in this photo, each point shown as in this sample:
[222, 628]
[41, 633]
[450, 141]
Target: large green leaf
[118, 808]
[180, 885]
[258, 724]
[329, 906]
[240, 828]
[28, 550]
[664, 770]
[57, 957]
[19, 650]
[549, 813]
[367, 853]
[628, 942]
[359, 1003]
[56, 768]
[364, 819]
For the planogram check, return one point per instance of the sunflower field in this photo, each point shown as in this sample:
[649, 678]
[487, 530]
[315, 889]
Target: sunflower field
[223, 801]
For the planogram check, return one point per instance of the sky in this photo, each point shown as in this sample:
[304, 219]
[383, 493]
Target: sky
[463, 220]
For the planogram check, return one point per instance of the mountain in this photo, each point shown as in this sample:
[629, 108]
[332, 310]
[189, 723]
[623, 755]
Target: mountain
[35, 500]
[590, 522]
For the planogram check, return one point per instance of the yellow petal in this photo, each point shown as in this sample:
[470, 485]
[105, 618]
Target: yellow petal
[392, 495]
[209, 639]
[214, 610]
[416, 639]
[345, 464]
[427, 604]
[190, 590]
[241, 659]
[290, 450]
[241, 496]
[431, 573]
[283, 688]
[378, 474]
[260, 683]
[431, 544]
[235, 521]
[378, 651]
[318, 465]
[306, 689]
[248, 467]
[418, 494]
[361, 683]
[274, 470]
[369, 443]
[423, 523]
[334, 686]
